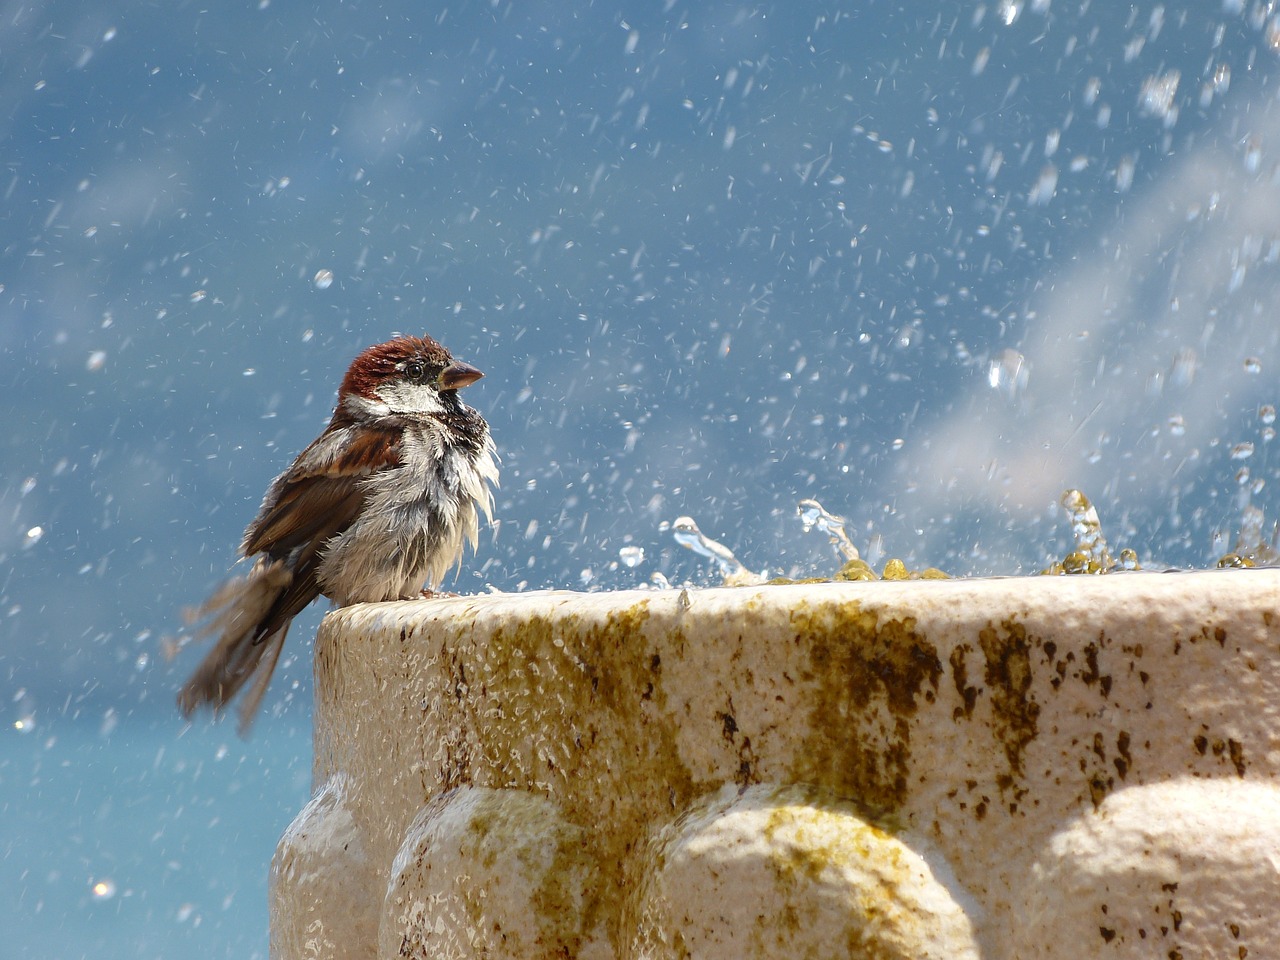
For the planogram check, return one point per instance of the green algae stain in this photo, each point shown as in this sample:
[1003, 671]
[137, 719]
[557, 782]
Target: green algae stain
[810, 832]
[960, 674]
[526, 832]
[1014, 713]
[593, 699]
[804, 804]
[868, 674]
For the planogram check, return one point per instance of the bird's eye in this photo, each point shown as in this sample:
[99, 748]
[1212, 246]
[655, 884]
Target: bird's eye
[414, 370]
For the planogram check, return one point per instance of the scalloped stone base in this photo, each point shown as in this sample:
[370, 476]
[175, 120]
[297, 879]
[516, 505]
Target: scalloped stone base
[1011, 768]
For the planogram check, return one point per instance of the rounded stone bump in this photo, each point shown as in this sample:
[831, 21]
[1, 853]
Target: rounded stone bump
[493, 874]
[320, 882]
[1183, 868]
[792, 871]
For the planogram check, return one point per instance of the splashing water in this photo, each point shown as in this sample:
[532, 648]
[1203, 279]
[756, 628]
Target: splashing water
[1091, 553]
[813, 515]
[688, 535]
[631, 557]
[1252, 547]
[1086, 527]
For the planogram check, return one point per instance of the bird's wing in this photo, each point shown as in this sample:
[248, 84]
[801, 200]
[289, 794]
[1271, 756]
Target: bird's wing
[320, 494]
[312, 502]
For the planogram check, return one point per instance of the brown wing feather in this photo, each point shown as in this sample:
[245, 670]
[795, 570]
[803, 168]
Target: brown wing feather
[304, 512]
[305, 587]
[310, 503]
[300, 506]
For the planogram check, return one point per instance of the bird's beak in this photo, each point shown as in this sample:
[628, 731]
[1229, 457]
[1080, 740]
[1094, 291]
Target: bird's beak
[458, 375]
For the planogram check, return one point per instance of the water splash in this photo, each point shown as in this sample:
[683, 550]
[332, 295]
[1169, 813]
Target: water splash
[1252, 547]
[688, 535]
[813, 515]
[1091, 554]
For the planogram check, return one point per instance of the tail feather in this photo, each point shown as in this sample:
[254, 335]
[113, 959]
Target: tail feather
[239, 614]
[261, 673]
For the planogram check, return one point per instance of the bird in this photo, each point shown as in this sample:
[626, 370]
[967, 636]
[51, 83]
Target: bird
[377, 506]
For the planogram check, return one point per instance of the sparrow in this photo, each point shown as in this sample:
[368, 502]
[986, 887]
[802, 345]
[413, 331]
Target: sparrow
[379, 504]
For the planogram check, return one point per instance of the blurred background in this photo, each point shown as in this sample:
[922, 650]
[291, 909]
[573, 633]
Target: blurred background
[931, 264]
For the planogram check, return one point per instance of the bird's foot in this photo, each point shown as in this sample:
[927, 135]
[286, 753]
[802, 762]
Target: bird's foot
[433, 594]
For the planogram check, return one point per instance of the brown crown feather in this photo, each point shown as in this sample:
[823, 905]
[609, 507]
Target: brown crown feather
[378, 363]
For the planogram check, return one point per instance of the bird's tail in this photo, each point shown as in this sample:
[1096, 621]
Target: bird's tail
[242, 614]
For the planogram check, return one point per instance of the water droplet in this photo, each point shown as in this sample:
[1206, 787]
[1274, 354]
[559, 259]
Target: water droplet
[1273, 34]
[33, 537]
[104, 889]
[1157, 97]
[1185, 364]
[199, 295]
[323, 279]
[1092, 88]
[1252, 365]
[631, 557]
[1267, 413]
[1242, 451]
[1124, 173]
[1253, 155]
[1221, 78]
[1046, 185]
[1268, 434]
[1008, 372]
[97, 360]
[1177, 425]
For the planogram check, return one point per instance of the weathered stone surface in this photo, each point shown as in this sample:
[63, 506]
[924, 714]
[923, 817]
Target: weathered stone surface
[795, 872]
[998, 739]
